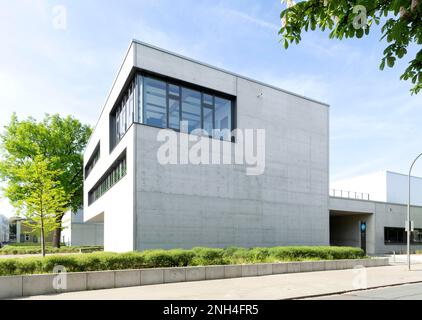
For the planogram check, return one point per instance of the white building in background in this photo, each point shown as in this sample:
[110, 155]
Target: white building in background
[78, 233]
[384, 186]
[4, 229]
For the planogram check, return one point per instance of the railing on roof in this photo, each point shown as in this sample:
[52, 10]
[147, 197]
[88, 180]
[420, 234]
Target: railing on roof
[349, 194]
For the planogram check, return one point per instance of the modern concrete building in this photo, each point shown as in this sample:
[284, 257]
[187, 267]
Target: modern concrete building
[145, 203]
[22, 233]
[78, 233]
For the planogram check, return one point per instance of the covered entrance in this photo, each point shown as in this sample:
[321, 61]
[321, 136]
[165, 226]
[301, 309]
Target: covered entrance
[349, 229]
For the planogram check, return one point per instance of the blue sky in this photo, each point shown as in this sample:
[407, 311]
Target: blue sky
[375, 123]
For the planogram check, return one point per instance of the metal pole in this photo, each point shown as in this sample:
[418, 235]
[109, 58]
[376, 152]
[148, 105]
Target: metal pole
[409, 223]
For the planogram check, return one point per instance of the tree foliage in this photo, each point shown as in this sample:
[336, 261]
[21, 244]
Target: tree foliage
[38, 195]
[60, 141]
[402, 26]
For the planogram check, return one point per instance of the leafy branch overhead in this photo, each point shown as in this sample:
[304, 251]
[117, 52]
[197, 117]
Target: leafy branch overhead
[402, 26]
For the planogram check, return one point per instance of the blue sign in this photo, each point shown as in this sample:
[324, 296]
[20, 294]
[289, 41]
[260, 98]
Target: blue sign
[363, 226]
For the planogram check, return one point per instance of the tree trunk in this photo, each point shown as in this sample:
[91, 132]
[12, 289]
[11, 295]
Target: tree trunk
[42, 238]
[57, 233]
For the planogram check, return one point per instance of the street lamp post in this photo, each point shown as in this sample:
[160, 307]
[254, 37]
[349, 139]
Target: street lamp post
[409, 223]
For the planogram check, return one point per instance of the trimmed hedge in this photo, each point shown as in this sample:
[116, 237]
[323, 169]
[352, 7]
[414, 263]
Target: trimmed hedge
[174, 258]
[36, 249]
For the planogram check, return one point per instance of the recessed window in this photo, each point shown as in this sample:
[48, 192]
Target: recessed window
[164, 103]
[113, 175]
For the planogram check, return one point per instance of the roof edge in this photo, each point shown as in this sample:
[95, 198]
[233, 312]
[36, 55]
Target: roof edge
[226, 71]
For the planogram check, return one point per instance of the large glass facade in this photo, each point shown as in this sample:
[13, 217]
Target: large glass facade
[165, 103]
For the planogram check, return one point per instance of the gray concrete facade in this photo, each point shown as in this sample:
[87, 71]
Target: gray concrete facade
[183, 206]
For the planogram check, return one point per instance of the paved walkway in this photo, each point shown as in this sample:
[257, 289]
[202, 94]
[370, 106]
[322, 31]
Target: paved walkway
[275, 287]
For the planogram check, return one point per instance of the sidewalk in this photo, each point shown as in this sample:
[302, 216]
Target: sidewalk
[276, 287]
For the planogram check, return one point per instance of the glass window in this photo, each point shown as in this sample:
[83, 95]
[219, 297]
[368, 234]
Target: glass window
[174, 113]
[223, 118]
[394, 235]
[208, 120]
[155, 105]
[191, 108]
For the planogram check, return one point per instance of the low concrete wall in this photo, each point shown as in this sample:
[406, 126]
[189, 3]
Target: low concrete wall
[23, 286]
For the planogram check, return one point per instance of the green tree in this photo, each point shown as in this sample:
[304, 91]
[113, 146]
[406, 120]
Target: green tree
[402, 26]
[37, 195]
[61, 141]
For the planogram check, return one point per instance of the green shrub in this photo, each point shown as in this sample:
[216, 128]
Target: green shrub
[101, 261]
[208, 256]
[168, 258]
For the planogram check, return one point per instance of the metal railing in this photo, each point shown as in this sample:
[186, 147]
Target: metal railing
[349, 194]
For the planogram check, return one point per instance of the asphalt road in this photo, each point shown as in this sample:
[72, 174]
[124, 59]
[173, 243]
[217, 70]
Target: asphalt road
[403, 292]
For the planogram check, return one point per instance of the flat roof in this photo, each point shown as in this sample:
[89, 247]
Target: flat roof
[226, 71]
